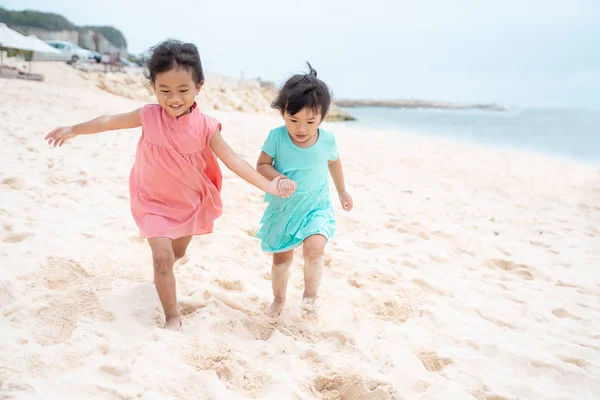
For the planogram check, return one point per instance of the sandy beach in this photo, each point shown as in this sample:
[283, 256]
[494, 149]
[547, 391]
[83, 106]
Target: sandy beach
[461, 273]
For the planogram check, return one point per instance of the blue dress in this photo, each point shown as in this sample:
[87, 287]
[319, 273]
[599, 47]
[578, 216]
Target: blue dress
[287, 222]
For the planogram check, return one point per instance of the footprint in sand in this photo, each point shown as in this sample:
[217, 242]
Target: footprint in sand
[261, 328]
[230, 369]
[17, 237]
[392, 310]
[187, 307]
[393, 223]
[355, 283]
[562, 313]
[341, 337]
[13, 183]
[522, 270]
[576, 361]
[14, 386]
[481, 394]
[237, 286]
[415, 229]
[368, 245]
[382, 278]
[60, 273]
[115, 371]
[57, 317]
[428, 287]
[70, 296]
[432, 362]
[496, 321]
[350, 385]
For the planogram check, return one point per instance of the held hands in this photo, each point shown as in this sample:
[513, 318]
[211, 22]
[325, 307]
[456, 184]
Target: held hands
[281, 186]
[58, 136]
[286, 187]
[346, 200]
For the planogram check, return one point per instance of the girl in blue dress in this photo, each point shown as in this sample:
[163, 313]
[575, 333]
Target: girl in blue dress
[304, 155]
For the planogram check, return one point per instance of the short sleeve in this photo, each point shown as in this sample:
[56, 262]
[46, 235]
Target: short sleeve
[144, 112]
[211, 127]
[333, 154]
[271, 143]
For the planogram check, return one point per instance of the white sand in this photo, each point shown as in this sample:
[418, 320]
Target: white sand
[462, 273]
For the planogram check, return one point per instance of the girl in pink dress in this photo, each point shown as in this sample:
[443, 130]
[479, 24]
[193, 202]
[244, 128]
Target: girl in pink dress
[175, 182]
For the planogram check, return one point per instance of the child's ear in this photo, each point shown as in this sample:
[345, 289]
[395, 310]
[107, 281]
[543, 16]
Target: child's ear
[199, 87]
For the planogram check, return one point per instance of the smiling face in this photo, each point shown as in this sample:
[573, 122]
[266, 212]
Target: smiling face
[176, 91]
[303, 127]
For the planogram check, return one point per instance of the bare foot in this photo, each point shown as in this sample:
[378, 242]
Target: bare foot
[274, 309]
[173, 323]
[308, 309]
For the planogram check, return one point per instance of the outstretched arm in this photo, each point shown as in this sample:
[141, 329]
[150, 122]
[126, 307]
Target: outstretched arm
[59, 136]
[240, 166]
[337, 174]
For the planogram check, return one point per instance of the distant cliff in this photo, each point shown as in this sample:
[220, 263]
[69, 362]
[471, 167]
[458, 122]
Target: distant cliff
[50, 26]
[416, 104]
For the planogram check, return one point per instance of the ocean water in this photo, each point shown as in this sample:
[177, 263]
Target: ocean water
[573, 134]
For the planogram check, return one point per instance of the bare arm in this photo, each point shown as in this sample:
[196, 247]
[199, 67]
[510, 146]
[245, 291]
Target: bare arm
[264, 165]
[60, 135]
[109, 123]
[240, 167]
[337, 174]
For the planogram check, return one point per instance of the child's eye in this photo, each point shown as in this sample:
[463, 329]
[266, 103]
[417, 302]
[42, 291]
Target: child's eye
[293, 120]
[183, 91]
[311, 122]
[165, 91]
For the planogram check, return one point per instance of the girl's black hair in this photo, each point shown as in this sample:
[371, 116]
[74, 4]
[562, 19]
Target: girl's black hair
[174, 54]
[304, 91]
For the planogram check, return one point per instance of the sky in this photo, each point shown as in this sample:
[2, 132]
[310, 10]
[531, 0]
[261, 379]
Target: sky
[528, 53]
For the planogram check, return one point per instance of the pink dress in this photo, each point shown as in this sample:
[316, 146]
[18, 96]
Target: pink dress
[175, 182]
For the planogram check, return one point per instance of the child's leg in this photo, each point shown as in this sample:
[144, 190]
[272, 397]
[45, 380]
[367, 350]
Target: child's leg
[313, 250]
[280, 272]
[163, 258]
[180, 245]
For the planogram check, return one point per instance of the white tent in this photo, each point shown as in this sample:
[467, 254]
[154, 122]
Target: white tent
[12, 39]
[39, 46]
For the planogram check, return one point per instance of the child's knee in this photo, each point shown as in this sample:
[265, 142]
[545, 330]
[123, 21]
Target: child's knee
[163, 260]
[314, 247]
[282, 266]
[313, 252]
[179, 254]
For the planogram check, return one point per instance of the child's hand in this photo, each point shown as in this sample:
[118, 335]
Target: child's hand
[59, 136]
[346, 200]
[286, 187]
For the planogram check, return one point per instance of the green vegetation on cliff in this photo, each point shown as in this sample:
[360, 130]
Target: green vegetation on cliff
[55, 22]
[36, 19]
